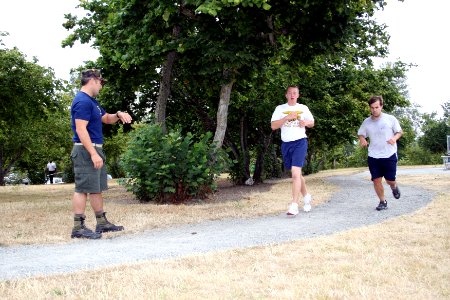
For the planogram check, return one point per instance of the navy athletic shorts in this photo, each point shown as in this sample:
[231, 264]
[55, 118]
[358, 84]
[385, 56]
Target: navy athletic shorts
[383, 167]
[294, 153]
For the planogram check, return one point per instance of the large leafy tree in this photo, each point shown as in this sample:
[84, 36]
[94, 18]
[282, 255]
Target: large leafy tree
[435, 131]
[338, 98]
[30, 114]
[220, 40]
[336, 94]
[203, 64]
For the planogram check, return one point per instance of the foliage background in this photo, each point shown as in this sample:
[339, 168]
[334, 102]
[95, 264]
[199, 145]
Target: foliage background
[173, 61]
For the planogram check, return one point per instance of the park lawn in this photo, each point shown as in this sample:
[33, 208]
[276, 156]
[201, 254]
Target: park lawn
[39, 214]
[402, 258]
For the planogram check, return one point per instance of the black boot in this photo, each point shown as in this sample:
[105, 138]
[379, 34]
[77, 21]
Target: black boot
[81, 231]
[103, 225]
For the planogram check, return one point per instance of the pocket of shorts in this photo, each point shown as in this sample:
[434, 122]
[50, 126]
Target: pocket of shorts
[73, 155]
[102, 155]
[87, 182]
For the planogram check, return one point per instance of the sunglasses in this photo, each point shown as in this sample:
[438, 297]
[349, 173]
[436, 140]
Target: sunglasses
[102, 81]
[93, 73]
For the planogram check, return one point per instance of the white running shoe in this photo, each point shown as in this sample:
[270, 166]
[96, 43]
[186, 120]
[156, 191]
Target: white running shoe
[307, 200]
[293, 209]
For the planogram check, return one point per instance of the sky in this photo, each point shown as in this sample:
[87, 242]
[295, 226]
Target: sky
[419, 32]
[35, 28]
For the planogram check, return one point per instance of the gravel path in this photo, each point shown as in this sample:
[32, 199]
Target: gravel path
[353, 207]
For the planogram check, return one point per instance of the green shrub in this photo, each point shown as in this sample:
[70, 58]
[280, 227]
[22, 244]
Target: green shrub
[416, 155]
[68, 176]
[170, 168]
[272, 163]
[358, 158]
[114, 147]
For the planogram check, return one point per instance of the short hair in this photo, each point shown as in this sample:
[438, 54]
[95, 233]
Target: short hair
[292, 86]
[86, 75]
[374, 99]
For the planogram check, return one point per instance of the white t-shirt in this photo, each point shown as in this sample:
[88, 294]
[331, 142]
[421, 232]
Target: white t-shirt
[51, 166]
[291, 131]
[379, 132]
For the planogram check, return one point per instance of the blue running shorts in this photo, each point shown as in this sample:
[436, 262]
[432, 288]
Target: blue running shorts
[294, 153]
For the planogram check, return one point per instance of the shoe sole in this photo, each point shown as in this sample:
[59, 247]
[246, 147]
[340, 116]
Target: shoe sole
[291, 214]
[80, 236]
[378, 209]
[109, 230]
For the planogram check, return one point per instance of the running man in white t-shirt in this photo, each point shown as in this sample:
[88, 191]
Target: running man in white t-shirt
[293, 118]
[383, 130]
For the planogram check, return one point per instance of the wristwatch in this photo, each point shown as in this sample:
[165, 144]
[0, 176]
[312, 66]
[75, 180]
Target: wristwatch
[117, 114]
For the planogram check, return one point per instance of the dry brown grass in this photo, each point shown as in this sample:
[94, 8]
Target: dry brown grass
[402, 258]
[46, 209]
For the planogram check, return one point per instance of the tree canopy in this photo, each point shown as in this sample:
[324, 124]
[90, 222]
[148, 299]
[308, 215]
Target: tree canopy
[223, 65]
[31, 127]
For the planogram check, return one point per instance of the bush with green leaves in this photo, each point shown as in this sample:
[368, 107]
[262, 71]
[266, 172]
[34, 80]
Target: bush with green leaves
[416, 155]
[113, 147]
[170, 168]
[68, 175]
[357, 157]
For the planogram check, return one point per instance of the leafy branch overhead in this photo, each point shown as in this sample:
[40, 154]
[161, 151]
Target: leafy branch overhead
[160, 56]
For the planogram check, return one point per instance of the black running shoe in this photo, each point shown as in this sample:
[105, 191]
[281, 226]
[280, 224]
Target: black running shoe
[382, 205]
[396, 192]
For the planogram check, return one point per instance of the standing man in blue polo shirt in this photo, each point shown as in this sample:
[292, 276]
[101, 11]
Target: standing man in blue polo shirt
[87, 155]
[383, 131]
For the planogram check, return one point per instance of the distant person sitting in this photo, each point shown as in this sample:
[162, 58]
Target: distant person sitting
[51, 168]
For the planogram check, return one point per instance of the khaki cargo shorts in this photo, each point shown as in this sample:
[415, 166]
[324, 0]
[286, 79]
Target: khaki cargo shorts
[87, 178]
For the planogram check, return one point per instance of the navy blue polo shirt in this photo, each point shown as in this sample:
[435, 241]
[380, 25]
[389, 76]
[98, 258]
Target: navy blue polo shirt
[84, 107]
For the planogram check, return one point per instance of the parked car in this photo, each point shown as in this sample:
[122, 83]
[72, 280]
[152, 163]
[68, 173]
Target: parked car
[59, 180]
[15, 178]
[56, 180]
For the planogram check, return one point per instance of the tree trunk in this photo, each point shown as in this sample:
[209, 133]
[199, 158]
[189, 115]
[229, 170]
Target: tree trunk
[2, 173]
[164, 87]
[222, 112]
[5, 168]
[164, 91]
[259, 164]
[245, 155]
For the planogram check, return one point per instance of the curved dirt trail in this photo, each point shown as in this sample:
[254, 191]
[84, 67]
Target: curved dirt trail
[353, 206]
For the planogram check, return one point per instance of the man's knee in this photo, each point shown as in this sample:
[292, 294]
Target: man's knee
[296, 172]
[378, 180]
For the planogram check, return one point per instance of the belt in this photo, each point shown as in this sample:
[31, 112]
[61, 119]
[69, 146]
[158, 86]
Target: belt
[93, 144]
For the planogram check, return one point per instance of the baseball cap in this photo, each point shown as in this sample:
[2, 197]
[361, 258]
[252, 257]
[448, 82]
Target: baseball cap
[92, 73]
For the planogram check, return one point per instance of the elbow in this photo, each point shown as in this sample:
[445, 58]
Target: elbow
[272, 125]
[79, 131]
